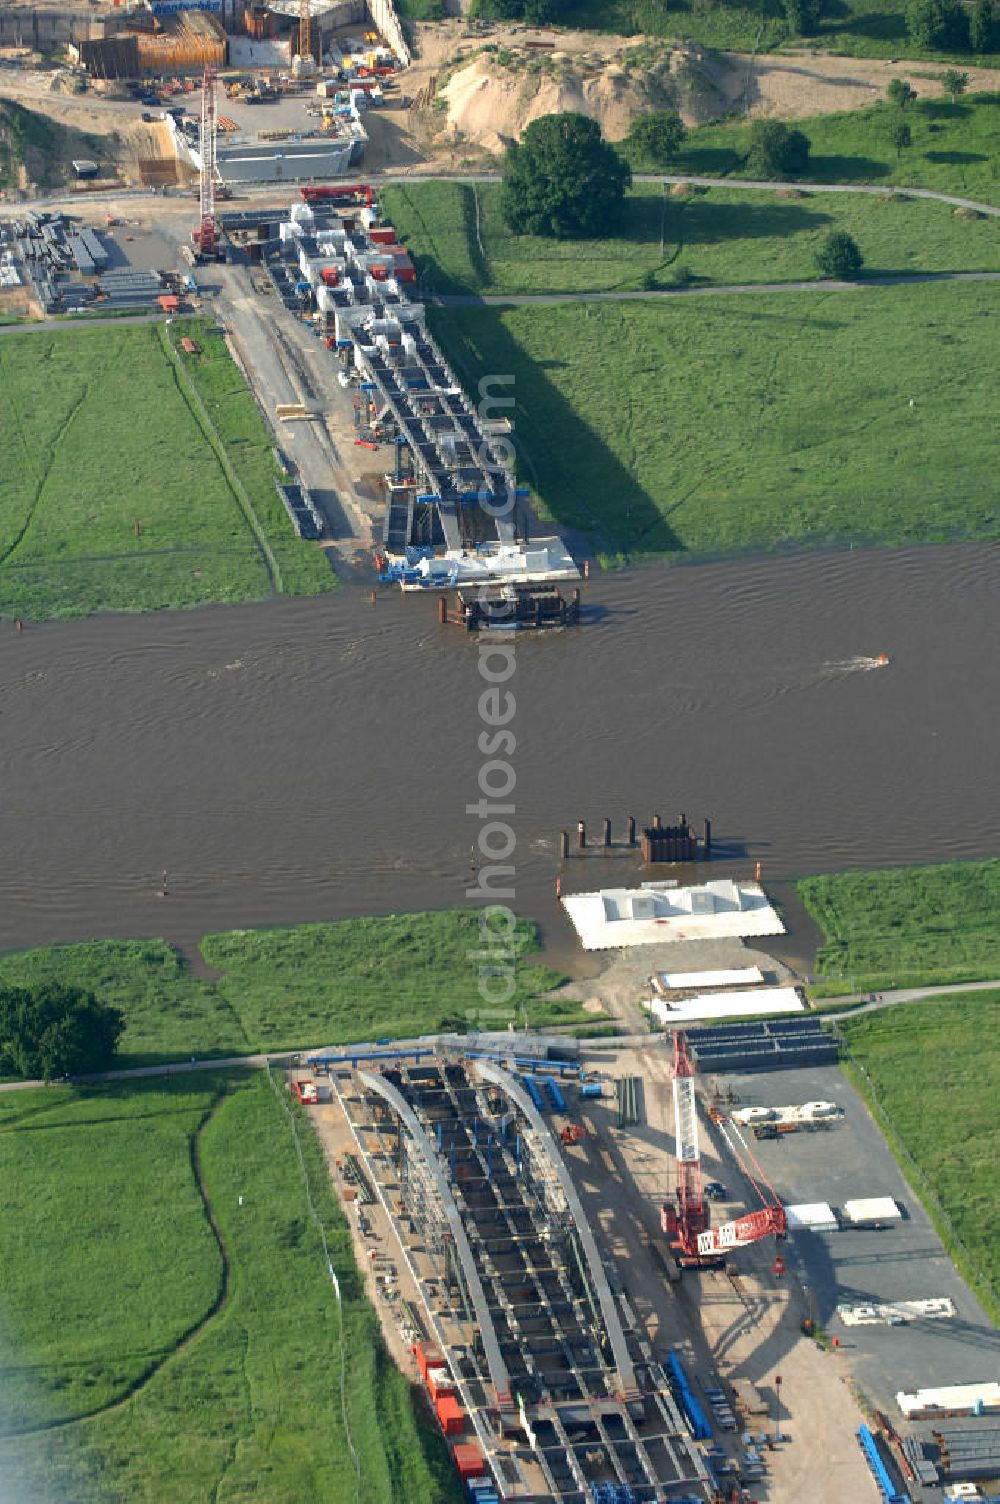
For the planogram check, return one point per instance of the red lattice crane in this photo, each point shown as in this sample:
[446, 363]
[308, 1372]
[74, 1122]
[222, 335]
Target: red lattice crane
[693, 1242]
[206, 233]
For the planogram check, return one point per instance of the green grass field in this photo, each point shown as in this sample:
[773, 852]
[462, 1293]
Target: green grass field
[311, 984]
[932, 1069]
[956, 147]
[720, 235]
[99, 436]
[170, 1014]
[708, 427]
[906, 926]
[109, 1261]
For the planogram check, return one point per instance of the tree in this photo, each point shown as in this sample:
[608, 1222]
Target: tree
[955, 83]
[657, 137]
[563, 180]
[902, 137]
[803, 16]
[900, 93]
[938, 23]
[776, 151]
[839, 256]
[53, 1030]
[982, 26]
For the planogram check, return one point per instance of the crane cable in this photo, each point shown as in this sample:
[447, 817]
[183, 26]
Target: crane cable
[286, 1108]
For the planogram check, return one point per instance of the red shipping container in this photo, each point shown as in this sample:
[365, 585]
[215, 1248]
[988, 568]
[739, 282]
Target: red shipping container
[469, 1459]
[427, 1356]
[330, 275]
[450, 1415]
[438, 1381]
[382, 234]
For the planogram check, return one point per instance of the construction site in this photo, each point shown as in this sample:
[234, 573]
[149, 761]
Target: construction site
[607, 1297]
[454, 513]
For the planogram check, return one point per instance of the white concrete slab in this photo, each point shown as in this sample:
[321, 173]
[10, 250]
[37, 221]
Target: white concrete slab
[614, 917]
[812, 1216]
[708, 1006]
[678, 981]
[961, 1397]
[892, 1313]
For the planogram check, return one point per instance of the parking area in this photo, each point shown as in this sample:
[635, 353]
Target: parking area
[860, 1266]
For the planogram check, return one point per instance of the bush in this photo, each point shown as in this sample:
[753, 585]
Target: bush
[54, 1030]
[775, 150]
[938, 23]
[564, 180]
[657, 137]
[839, 256]
[803, 16]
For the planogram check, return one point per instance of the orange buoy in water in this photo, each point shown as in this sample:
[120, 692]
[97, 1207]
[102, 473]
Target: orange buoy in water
[883, 657]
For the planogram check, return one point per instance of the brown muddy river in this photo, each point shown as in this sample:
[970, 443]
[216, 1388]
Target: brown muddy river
[299, 760]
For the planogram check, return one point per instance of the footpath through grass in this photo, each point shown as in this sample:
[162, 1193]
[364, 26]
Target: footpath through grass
[110, 1260]
[704, 236]
[306, 985]
[111, 496]
[906, 926]
[930, 1071]
[704, 427]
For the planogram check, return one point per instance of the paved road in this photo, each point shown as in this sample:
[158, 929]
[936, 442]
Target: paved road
[177, 199]
[600, 1046]
[912, 995]
[496, 300]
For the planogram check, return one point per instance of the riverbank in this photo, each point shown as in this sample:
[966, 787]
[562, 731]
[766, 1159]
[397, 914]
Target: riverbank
[295, 988]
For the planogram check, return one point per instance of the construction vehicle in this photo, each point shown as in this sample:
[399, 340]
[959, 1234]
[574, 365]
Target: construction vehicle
[573, 1133]
[692, 1241]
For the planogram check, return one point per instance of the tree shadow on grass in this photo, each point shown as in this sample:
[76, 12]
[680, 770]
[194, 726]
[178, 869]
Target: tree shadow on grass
[839, 169]
[707, 161]
[883, 26]
[585, 487]
[708, 223]
[943, 109]
[955, 158]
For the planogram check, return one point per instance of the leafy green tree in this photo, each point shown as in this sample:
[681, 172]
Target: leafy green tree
[839, 256]
[803, 16]
[563, 180]
[982, 26]
[657, 137]
[55, 1030]
[938, 23]
[900, 93]
[902, 137]
[776, 151]
[955, 83]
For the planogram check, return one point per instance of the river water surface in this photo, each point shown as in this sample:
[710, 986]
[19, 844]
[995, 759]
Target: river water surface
[298, 760]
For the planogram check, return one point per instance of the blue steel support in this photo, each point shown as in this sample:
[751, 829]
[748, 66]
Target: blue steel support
[879, 1471]
[440, 1128]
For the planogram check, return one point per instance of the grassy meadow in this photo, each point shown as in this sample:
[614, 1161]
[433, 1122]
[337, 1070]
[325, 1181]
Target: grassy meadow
[707, 427]
[919, 1061]
[906, 926]
[112, 497]
[311, 984]
[954, 150]
[170, 1014]
[209, 1366]
[703, 236]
